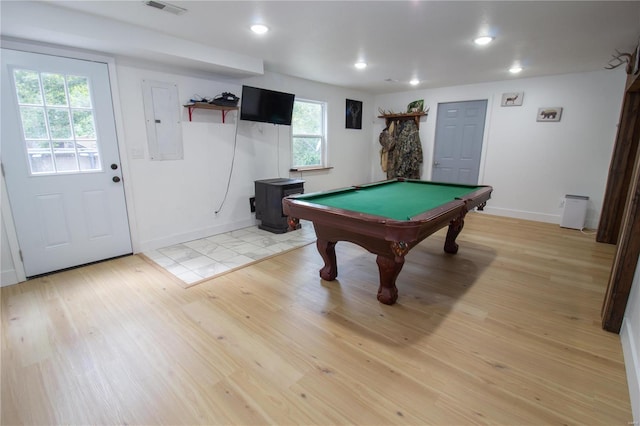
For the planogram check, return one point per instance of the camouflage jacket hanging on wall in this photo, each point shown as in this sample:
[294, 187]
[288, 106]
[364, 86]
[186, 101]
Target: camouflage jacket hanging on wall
[387, 140]
[407, 155]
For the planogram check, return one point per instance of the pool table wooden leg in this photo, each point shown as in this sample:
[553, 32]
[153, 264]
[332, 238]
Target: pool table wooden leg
[455, 227]
[327, 250]
[389, 269]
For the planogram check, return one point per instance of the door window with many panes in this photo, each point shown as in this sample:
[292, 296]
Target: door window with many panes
[57, 122]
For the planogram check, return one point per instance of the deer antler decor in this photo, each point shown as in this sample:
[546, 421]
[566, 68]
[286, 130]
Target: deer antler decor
[621, 58]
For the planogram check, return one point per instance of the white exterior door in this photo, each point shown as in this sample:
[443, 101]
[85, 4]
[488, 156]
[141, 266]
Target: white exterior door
[60, 160]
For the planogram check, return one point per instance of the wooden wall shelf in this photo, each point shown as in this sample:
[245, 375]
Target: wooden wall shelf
[202, 105]
[415, 116]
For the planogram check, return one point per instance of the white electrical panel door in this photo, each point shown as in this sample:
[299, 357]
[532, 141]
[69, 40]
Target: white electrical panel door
[162, 114]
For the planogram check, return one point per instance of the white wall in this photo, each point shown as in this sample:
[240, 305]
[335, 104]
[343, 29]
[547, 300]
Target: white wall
[348, 149]
[630, 338]
[175, 201]
[532, 165]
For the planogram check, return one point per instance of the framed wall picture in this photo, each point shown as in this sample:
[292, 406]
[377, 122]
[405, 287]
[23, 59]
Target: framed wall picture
[353, 116]
[512, 99]
[549, 114]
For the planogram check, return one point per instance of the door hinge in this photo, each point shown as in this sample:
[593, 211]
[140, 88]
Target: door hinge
[2, 168]
[21, 258]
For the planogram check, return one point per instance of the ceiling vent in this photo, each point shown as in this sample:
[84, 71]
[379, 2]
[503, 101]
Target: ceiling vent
[166, 7]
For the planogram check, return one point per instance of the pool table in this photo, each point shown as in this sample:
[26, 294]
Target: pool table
[387, 218]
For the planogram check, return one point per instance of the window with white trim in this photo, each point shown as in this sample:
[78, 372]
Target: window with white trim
[57, 115]
[308, 141]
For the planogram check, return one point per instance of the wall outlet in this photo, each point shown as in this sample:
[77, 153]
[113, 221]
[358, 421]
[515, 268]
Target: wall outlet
[252, 204]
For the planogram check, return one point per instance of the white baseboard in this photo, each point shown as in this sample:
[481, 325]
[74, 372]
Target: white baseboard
[521, 214]
[590, 223]
[193, 235]
[632, 364]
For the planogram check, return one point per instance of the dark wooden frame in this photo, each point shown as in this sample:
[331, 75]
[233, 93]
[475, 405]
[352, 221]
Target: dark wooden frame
[620, 218]
[353, 119]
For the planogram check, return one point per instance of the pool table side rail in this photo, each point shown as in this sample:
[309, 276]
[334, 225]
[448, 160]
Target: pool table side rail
[471, 200]
[311, 195]
[351, 188]
[416, 228]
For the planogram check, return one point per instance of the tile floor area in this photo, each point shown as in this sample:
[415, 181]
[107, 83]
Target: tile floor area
[196, 260]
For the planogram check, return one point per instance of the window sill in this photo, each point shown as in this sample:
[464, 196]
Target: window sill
[309, 169]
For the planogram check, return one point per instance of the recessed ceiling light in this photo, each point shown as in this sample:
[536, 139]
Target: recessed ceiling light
[515, 69]
[259, 28]
[360, 65]
[483, 41]
[414, 82]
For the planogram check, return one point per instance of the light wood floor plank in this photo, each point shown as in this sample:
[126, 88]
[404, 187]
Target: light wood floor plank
[505, 332]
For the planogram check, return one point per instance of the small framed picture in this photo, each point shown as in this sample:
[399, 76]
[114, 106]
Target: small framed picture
[512, 99]
[353, 116]
[549, 114]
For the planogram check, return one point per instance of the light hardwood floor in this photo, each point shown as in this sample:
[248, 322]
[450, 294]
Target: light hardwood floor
[505, 332]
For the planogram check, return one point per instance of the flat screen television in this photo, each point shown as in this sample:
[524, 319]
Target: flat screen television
[266, 106]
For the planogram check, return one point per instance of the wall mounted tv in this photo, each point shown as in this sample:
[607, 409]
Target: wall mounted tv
[266, 106]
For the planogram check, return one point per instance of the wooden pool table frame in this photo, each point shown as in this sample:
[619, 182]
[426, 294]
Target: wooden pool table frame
[389, 239]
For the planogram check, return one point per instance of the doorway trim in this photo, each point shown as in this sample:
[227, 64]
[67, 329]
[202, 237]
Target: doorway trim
[12, 235]
[55, 50]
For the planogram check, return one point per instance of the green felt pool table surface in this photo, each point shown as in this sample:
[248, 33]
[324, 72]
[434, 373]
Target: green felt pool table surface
[398, 200]
[386, 218]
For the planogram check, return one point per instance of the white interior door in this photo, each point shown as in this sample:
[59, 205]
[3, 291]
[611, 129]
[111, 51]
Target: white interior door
[61, 162]
[458, 142]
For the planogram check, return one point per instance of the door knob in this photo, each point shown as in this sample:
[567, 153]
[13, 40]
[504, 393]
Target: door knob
[116, 179]
[114, 166]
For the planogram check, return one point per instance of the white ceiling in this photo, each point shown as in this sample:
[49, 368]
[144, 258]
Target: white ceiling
[321, 40]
